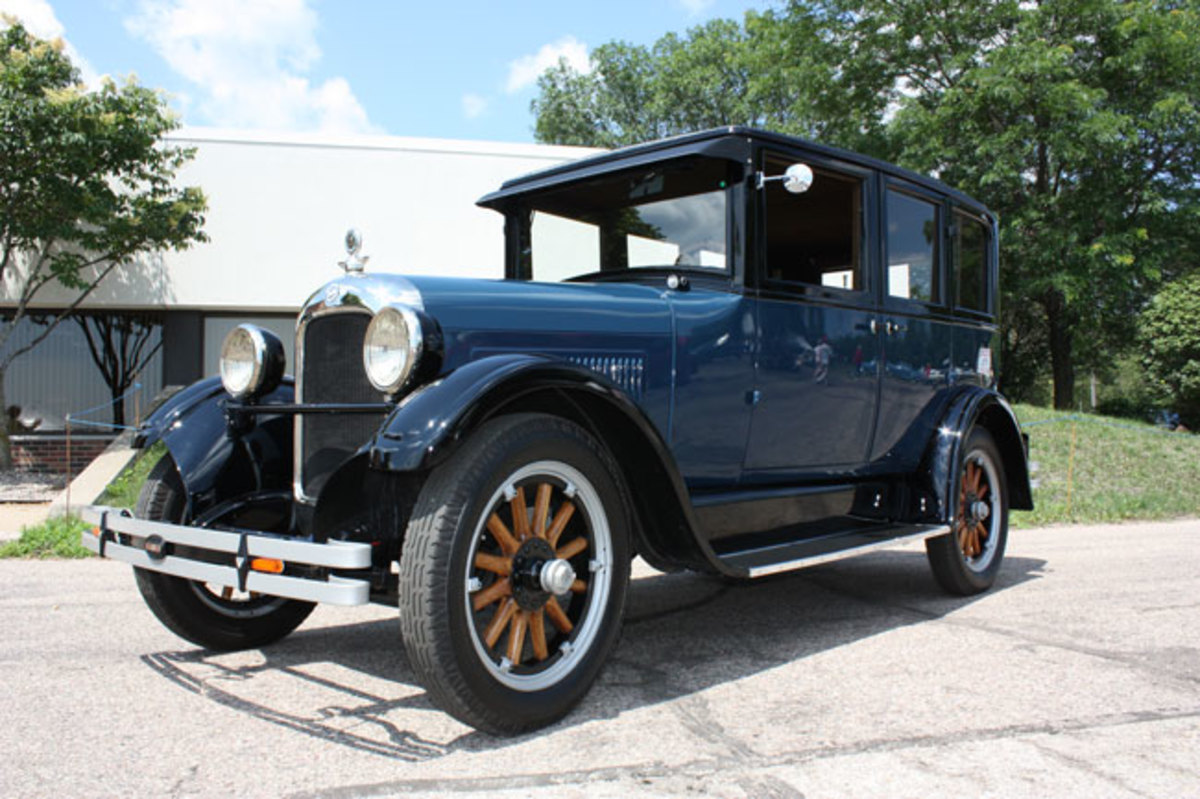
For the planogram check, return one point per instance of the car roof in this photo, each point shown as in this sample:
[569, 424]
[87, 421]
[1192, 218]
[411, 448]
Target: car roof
[733, 142]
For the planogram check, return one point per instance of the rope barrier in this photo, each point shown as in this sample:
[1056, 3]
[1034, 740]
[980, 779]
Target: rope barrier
[74, 419]
[1075, 417]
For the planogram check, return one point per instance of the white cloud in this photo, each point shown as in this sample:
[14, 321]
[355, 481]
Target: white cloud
[474, 106]
[247, 62]
[39, 18]
[695, 8]
[524, 71]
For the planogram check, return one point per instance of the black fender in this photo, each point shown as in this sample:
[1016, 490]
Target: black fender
[429, 424]
[223, 459]
[971, 407]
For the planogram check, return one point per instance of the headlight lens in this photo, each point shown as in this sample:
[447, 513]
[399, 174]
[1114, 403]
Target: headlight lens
[392, 348]
[252, 361]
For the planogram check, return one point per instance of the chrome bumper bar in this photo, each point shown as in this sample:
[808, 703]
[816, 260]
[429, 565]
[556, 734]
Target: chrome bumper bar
[158, 541]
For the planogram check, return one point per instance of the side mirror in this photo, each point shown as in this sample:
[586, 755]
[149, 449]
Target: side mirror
[797, 179]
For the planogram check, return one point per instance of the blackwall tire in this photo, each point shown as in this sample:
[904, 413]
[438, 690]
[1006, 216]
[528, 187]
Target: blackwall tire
[513, 574]
[207, 616]
[966, 560]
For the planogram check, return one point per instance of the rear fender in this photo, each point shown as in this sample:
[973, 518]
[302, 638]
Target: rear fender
[219, 461]
[432, 422]
[984, 408]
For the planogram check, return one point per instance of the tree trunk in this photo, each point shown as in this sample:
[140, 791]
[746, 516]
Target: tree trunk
[6, 458]
[1061, 361]
[118, 408]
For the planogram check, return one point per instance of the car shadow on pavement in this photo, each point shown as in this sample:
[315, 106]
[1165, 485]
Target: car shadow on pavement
[352, 685]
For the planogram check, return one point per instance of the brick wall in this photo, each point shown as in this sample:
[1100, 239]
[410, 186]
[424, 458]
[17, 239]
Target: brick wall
[47, 452]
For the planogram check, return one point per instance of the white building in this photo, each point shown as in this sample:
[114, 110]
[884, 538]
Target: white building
[279, 207]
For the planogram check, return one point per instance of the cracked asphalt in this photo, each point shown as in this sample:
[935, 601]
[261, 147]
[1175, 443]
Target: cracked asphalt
[1077, 675]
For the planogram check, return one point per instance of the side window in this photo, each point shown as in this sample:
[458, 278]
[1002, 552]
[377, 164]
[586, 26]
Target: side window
[970, 263]
[912, 247]
[815, 237]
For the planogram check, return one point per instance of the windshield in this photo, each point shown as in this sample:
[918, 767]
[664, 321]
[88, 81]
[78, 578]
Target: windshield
[672, 215]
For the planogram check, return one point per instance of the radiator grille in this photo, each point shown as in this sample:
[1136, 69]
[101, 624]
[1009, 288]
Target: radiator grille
[333, 372]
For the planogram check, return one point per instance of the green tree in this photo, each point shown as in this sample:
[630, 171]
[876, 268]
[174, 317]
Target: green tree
[1170, 342]
[86, 185]
[1077, 122]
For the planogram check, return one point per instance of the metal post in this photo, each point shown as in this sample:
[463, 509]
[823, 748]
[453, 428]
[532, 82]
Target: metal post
[1071, 468]
[68, 493]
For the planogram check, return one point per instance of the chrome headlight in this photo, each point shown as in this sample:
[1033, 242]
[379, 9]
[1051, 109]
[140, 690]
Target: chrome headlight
[392, 347]
[252, 361]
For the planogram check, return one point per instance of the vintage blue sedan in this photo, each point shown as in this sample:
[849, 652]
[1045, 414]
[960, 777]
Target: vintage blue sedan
[733, 352]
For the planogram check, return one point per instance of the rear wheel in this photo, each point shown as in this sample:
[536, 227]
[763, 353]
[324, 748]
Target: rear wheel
[211, 616]
[967, 560]
[513, 573]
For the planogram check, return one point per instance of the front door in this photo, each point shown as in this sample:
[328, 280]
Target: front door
[817, 360]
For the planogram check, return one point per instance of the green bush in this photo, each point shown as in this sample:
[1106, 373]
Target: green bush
[1169, 331]
[53, 538]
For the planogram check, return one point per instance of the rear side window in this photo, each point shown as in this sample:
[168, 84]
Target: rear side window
[970, 263]
[912, 245]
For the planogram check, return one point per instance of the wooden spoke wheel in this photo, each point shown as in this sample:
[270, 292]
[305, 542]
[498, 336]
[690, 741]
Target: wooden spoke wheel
[540, 563]
[513, 573]
[976, 512]
[966, 561]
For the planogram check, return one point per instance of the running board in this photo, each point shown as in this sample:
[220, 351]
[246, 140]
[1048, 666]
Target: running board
[814, 551]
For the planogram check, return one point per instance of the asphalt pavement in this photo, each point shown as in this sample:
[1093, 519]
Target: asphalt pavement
[1077, 675]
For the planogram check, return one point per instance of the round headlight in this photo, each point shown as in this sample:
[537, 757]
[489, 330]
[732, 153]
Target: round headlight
[392, 347]
[251, 361]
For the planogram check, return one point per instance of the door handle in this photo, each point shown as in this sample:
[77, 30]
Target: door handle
[892, 328]
[874, 327]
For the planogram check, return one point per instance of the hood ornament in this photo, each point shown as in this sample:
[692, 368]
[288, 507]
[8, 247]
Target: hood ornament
[354, 262]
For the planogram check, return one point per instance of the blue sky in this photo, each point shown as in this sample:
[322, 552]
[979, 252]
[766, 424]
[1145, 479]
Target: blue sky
[462, 69]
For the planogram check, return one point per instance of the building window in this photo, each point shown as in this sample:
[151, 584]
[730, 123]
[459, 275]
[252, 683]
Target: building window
[83, 372]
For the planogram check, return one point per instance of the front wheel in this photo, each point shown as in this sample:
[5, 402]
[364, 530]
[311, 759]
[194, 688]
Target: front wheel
[211, 616]
[966, 560]
[514, 572]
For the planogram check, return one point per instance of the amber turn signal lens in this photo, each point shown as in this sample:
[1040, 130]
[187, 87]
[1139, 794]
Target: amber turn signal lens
[267, 565]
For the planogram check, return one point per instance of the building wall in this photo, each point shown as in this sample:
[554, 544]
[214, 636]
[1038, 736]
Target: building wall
[279, 207]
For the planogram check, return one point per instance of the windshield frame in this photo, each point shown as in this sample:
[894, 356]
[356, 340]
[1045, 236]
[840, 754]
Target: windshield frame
[520, 216]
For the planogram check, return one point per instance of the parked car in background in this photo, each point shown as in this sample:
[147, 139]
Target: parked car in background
[734, 352]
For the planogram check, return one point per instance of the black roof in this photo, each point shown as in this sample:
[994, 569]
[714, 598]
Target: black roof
[733, 142]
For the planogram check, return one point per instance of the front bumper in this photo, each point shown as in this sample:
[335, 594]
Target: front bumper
[156, 546]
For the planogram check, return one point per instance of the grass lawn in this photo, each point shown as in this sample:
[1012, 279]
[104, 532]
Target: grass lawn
[1122, 470]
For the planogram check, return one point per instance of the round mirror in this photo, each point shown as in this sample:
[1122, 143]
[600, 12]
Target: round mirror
[798, 178]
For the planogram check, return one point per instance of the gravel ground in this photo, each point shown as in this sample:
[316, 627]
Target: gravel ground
[18, 486]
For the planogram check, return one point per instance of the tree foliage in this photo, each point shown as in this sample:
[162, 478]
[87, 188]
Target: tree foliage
[1170, 341]
[1075, 120]
[86, 184]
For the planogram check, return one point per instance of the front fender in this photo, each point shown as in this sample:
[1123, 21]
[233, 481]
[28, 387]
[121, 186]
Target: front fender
[986, 408]
[430, 423]
[217, 461]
